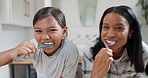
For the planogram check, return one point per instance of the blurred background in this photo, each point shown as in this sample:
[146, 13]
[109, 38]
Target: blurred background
[82, 17]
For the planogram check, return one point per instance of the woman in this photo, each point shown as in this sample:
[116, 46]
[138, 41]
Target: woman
[119, 51]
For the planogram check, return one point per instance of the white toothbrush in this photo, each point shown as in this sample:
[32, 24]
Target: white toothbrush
[105, 43]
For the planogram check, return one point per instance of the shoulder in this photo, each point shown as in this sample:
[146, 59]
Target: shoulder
[69, 47]
[145, 51]
[69, 44]
[145, 47]
[90, 44]
[87, 58]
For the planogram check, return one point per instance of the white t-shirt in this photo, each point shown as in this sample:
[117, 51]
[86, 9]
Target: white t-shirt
[62, 63]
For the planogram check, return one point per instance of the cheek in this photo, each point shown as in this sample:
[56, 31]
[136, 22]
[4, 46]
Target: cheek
[58, 35]
[37, 37]
[123, 37]
[102, 35]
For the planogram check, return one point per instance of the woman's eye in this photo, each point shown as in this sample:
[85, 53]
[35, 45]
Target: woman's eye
[120, 28]
[105, 27]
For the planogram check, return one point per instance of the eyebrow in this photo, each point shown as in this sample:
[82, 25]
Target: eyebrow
[116, 24]
[120, 24]
[48, 27]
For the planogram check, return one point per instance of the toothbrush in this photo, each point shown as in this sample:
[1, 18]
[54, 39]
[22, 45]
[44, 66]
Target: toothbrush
[42, 46]
[105, 43]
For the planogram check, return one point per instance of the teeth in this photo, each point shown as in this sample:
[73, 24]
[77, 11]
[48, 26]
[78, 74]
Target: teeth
[46, 43]
[110, 42]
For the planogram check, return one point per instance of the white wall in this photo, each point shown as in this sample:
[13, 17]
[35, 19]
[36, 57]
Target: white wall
[10, 36]
[71, 11]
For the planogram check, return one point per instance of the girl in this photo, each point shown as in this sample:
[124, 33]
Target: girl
[56, 61]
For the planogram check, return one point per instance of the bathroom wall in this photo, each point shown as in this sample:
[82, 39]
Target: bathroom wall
[11, 36]
[71, 11]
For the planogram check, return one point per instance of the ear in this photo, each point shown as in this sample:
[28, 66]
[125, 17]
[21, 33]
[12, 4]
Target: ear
[130, 33]
[65, 30]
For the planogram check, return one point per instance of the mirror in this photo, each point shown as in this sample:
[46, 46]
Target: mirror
[87, 9]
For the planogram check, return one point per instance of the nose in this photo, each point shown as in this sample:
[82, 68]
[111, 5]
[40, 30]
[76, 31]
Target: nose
[45, 36]
[111, 33]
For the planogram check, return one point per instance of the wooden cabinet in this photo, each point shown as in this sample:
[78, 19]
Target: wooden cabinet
[18, 12]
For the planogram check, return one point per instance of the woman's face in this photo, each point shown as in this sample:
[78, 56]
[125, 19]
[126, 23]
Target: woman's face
[115, 30]
[48, 30]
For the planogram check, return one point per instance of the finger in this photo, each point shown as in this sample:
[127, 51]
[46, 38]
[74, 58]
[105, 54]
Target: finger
[33, 47]
[36, 48]
[26, 50]
[107, 63]
[30, 48]
[107, 52]
[109, 60]
[23, 52]
[103, 55]
[110, 50]
[30, 51]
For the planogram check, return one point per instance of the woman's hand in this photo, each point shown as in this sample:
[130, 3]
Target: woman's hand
[25, 48]
[102, 63]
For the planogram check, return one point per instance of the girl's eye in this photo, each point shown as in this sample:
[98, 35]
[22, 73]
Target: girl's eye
[38, 31]
[52, 30]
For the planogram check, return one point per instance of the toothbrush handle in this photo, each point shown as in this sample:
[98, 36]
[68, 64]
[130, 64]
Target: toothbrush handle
[105, 44]
[42, 46]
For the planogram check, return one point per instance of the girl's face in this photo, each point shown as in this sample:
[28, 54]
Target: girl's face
[115, 30]
[48, 30]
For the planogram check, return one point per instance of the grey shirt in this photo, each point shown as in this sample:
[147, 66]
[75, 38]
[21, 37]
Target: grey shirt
[62, 63]
[120, 68]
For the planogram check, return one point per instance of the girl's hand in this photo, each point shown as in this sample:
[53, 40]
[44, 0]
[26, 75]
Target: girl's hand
[25, 48]
[102, 63]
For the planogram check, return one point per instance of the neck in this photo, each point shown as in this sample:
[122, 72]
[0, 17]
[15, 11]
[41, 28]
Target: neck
[117, 54]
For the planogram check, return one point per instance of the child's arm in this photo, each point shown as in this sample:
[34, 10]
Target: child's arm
[5, 58]
[25, 48]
